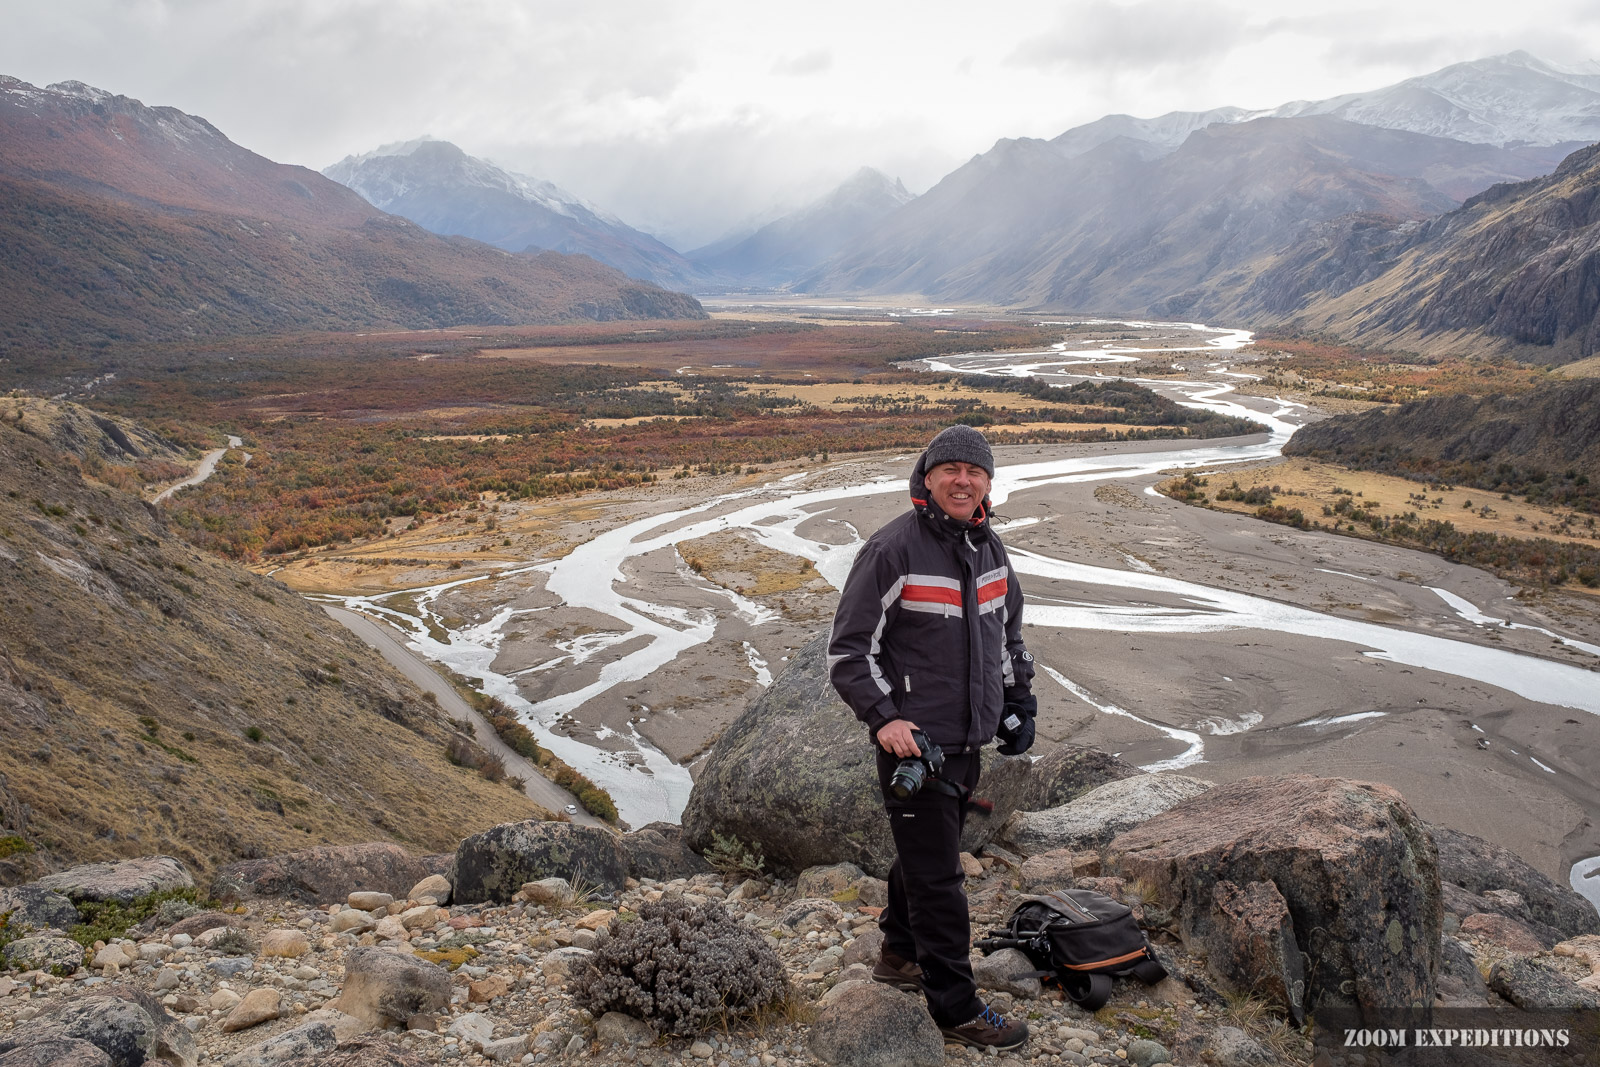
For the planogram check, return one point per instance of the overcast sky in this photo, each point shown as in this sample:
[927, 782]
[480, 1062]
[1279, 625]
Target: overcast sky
[686, 117]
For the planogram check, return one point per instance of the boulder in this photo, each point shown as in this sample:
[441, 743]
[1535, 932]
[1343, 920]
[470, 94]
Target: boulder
[367, 900]
[259, 1006]
[795, 776]
[1250, 945]
[35, 907]
[830, 881]
[54, 955]
[1461, 984]
[1502, 931]
[195, 925]
[546, 892]
[1099, 815]
[1533, 985]
[383, 988]
[866, 1024]
[364, 1052]
[352, 921]
[998, 972]
[1054, 869]
[327, 874]
[123, 881]
[1229, 1046]
[288, 944]
[127, 1024]
[865, 948]
[435, 887]
[304, 1041]
[1356, 869]
[1480, 867]
[55, 1052]
[657, 851]
[494, 864]
[615, 1028]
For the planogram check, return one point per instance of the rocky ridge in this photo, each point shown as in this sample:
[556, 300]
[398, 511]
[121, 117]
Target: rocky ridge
[419, 977]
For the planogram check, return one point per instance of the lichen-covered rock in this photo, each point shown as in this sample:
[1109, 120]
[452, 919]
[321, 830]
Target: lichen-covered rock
[1229, 1046]
[130, 1027]
[795, 776]
[1250, 945]
[1357, 870]
[1532, 985]
[1461, 984]
[679, 967]
[1479, 867]
[493, 865]
[1099, 815]
[327, 874]
[829, 881]
[53, 955]
[305, 1040]
[123, 881]
[35, 907]
[811, 913]
[872, 1025]
[657, 851]
[383, 988]
[56, 1052]
[1506, 932]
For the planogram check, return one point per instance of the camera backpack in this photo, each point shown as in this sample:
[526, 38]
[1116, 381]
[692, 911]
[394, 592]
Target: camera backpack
[1081, 939]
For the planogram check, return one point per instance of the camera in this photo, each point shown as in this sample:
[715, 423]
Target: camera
[911, 774]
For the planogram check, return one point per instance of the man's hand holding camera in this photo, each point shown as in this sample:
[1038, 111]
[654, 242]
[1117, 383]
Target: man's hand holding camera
[896, 739]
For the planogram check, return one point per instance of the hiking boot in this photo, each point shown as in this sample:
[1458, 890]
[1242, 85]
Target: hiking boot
[989, 1030]
[902, 974]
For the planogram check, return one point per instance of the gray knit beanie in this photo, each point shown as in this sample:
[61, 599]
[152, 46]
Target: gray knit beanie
[959, 444]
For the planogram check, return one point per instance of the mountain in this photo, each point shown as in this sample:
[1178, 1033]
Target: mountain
[444, 190]
[125, 222]
[157, 700]
[1112, 229]
[803, 240]
[1511, 100]
[1518, 264]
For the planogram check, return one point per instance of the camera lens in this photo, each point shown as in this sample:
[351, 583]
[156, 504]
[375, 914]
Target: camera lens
[907, 779]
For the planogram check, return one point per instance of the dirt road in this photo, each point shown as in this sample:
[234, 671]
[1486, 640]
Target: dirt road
[539, 788]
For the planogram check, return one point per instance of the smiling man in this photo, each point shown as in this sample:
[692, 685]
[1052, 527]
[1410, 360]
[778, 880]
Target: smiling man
[927, 646]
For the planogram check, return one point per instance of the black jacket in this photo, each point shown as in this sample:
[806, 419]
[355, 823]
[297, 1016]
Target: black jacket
[929, 627]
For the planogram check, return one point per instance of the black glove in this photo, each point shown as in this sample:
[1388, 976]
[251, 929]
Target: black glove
[1016, 725]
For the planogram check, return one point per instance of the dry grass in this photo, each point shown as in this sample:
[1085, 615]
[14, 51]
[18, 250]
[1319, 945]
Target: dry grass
[1310, 486]
[736, 561]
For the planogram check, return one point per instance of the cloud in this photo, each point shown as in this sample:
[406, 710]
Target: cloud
[813, 62]
[1140, 36]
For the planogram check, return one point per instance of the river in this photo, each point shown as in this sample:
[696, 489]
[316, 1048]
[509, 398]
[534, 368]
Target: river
[790, 516]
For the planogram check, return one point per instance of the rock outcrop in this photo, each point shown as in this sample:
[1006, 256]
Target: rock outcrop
[795, 776]
[327, 874]
[1356, 869]
[1099, 815]
[493, 865]
[1487, 871]
[123, 881]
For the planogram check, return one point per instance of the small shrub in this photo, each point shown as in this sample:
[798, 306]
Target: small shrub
[235, 943]
[256, 734]
[106, 919]
[681, 968]
[733, 857]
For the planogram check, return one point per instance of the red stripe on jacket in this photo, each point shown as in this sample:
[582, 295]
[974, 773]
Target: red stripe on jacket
[932, 594]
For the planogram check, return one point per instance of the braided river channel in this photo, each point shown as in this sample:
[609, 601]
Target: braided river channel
[1401, 667]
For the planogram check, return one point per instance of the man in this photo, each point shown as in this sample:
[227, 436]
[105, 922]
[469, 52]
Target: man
[928, 638]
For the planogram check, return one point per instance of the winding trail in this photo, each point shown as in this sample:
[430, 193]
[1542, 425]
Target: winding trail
[206, 468]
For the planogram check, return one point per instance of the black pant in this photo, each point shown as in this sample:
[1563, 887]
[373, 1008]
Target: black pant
[926, 920]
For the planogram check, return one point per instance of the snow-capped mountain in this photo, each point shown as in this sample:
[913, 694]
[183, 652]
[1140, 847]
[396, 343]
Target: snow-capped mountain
[802, 240]
[441, 188]
[1509, 100]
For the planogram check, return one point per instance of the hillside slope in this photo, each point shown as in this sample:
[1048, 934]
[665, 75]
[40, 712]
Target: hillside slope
[125, 222]
[441, 188]
[1519, 263]
[156, 700]
[1546, 441]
